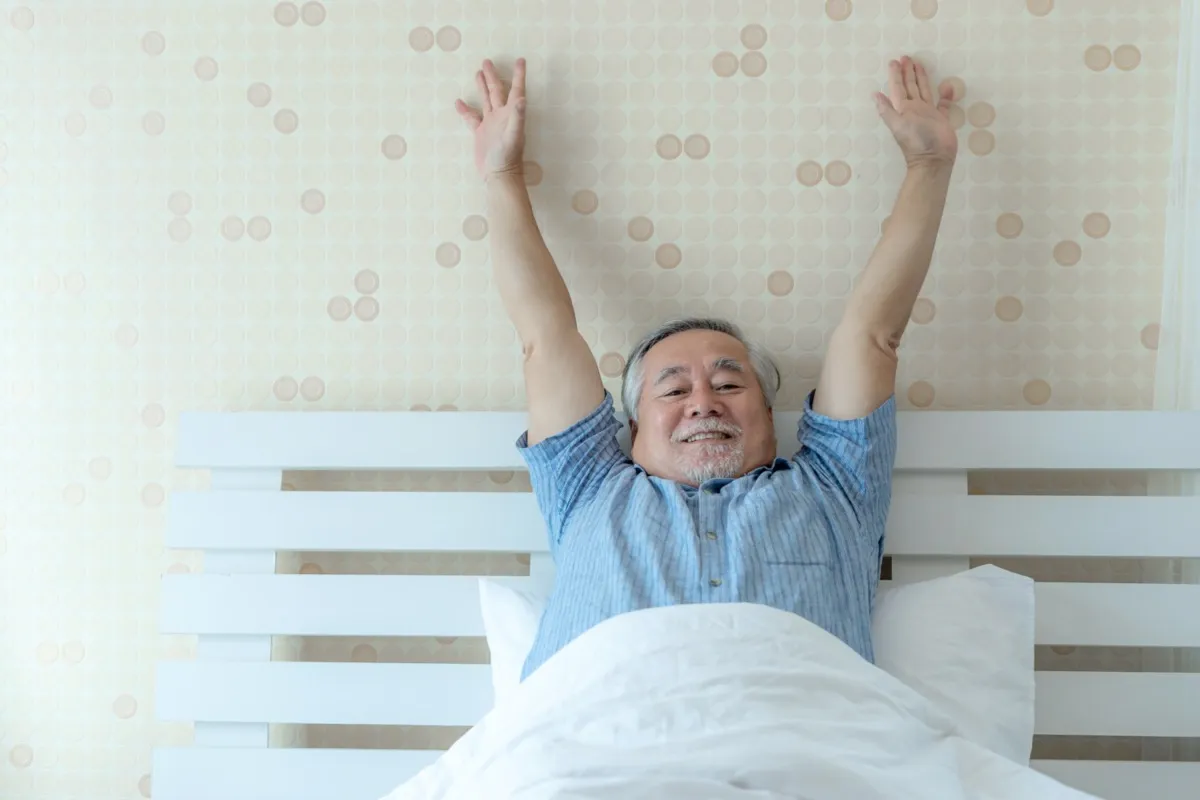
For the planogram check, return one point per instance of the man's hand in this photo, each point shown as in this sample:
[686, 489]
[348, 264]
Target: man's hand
[916, 115]
[500, 129]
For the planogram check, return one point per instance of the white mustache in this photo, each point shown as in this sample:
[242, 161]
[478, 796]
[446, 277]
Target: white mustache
[709, 426]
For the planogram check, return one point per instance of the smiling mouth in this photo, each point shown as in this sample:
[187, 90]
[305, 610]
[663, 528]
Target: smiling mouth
[707, 436]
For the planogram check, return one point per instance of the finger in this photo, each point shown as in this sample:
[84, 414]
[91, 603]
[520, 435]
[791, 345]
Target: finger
[518, 81]
[886, 110]
[481, 85]
[470, 116]
[896, 83]
[495, 87]
[910, 79]
[923, 84]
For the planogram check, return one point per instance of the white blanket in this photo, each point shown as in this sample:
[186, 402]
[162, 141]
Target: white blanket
[734, 701]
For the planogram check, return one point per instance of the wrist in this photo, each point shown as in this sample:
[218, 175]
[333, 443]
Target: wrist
[505, 177]
[934, 166]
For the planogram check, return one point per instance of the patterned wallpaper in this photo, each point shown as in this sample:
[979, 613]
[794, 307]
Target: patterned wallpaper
[250, 204]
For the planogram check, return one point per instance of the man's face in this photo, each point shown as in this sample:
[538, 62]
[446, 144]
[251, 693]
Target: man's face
[702, 413]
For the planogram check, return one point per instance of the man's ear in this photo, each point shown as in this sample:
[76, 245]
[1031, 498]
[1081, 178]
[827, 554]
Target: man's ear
[632, 431]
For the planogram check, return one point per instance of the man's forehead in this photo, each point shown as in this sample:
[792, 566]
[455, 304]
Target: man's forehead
[715, 365]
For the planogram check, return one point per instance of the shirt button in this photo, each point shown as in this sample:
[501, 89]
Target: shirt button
[715, 582]
[711, 535]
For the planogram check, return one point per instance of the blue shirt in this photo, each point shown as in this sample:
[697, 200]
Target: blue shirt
[803, 534]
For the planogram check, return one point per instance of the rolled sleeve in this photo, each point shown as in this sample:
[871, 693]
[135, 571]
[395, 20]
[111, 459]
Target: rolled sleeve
[567, 469]
[854, 457]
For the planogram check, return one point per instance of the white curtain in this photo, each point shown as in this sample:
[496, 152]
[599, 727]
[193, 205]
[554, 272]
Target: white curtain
[1177, 368]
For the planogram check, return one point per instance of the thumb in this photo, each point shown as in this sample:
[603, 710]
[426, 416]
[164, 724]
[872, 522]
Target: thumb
[885, 108]
[516, 122]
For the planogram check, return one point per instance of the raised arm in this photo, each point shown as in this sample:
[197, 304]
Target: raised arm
[562, 382]
[859, 373]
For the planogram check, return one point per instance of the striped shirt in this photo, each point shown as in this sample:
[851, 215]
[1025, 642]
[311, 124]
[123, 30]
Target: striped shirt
[804, 534]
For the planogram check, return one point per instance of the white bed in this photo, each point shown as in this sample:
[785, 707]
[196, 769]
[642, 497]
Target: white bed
[232, 691]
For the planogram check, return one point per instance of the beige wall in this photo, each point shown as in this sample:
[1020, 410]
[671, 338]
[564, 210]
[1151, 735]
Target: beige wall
[247, 205]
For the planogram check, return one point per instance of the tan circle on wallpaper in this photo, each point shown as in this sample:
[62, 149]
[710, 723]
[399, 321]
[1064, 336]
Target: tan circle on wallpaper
[258, 94]
[838, 10]
[754, 64]
[1067, 253]
[754, 36]
[668, 146]
[725, 64]
[73, 652]
[312, 13]
[958, 85]
[366, 308]
[421, 39]
[924, 9]
[285, 389]
[364, 653]
[74, 282]
[1039, 8]
[179, 230]
[100, 468]
[981, 142]
[696, 146]
[232, 228]
[448, 254]
[533, 173]
[152, 495]
[154, 123]
[21, 18]
[1097, 57]
[313, 201]
[312, 388]
[286, 120]
[124, 706]
[21, 756]
[393, 147]
[75, 124]
[837, 173]
[1036, 392]
[501, 476]
[309, 568]
[205, 68]
[780, 283]
[1127, 57]
[153, 43]
[668, 256]
[1009, 225]
[920, 394]
[100, 96]
[475, 227]
[1097, 225]
[366, 281]
[981, 114]
[144, 786]
[956, 116]
[339, 309]
[585, 201]
[126, 335]
[640, 229]
[179, 202]
[258, 229]
[153, 415]
[810, 173]
[611, 364]
[923, 311]
[286, 14]
[1150, 335]
[1009, 309]
[449, 38]
[46, 653]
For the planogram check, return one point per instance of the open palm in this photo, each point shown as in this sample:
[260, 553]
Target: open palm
[916, 115]
[499, 128]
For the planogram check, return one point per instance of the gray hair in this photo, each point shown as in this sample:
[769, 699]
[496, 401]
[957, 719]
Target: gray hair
[633, 377]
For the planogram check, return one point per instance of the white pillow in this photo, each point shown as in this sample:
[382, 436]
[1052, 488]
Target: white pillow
[964, 641]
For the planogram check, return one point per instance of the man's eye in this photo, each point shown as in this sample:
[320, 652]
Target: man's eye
[673, 392]
[728, 386]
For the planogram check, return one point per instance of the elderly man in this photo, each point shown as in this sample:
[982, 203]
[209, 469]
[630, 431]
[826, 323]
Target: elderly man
[705, 512]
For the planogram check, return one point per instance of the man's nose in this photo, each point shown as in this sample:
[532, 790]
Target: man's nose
[705, 403]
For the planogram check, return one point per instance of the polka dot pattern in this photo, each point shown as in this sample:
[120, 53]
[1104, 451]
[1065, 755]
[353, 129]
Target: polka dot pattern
[273, 207]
